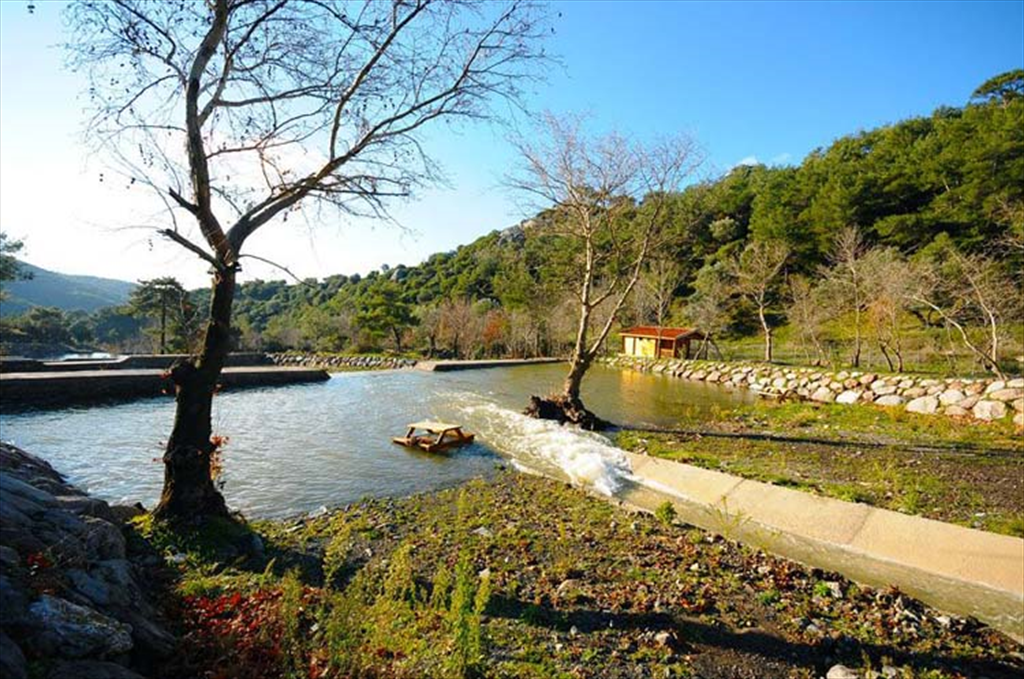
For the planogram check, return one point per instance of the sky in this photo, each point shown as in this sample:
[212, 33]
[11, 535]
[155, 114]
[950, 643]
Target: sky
[749, 81]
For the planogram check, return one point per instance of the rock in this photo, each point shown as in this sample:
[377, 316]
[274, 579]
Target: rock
[64, 629]
[1005, 394]
[823, 395]
[969, 402]
[9, 558]
[926, 405]
[1016, 383]
[1018, 404]
[847, 397]
[834, 589]
[13, 603]
[995, 386]
[1018, 419]
[125, 513]
[867, 379]
[91, 669]
[989, 410]
[883, 389]
[12, 660]
[12, 486]
[841, 672]
[95, 590]
[85, 505]
[889, 400]
[915, 392]
[956, 411]
[151, 640]
[951, 397]
[103, 540]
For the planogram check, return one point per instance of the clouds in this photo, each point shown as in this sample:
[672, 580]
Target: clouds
[751, 160]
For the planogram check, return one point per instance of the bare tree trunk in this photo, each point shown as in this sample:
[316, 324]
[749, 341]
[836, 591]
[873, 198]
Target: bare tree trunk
[189, 490]
[856, 334]
[767, 334]
[163, 324]
[885, 353]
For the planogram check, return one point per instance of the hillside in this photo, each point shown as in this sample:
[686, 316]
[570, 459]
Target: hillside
[63, 291]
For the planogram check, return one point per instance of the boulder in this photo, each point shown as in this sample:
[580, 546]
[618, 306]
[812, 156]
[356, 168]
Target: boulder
[889, 400]
[926, 405]
[1018, 419]
[989, 410]
[951, 397]
[1005, 394]
[103, 540]
[13, 602]
[915, 392]
[842, 672]
[1016, 383]
[956, 411]
[969, 402]
[12, 661]
[63, 629]
[883, 389]
[91, 669]
[1018, 405]
[823, 395]
[850, 396]
[995, 386]
[867, 379]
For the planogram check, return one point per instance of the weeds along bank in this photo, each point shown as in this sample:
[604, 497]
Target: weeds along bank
[985, 399]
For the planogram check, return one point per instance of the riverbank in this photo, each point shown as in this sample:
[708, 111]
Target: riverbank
[517, 577]
[985, 399]
[965, 472]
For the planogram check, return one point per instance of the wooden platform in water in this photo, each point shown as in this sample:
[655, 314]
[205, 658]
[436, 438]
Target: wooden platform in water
[440, 436]
[19, 391]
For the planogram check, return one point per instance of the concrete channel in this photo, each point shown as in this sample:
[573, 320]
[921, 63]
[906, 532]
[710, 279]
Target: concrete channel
[959, 570]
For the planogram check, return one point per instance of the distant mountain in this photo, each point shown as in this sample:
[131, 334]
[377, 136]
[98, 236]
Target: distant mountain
[64, 291]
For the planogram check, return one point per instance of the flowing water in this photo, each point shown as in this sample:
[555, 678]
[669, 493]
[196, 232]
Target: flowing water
[294, 449]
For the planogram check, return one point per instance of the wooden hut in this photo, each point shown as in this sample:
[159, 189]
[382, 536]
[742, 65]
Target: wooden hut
[651, 341]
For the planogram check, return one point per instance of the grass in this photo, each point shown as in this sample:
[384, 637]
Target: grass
[560, 584]
[971, 473]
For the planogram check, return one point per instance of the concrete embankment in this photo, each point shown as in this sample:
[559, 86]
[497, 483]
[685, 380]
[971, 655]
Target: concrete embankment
[960, 570]
[52, 389]
[448, 366]
[133, 362]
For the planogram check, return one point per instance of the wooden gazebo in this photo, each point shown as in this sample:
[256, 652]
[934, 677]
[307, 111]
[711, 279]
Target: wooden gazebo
[653, 341]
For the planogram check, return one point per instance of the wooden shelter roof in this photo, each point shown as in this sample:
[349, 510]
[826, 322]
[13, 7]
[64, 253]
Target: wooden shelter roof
[654, 331]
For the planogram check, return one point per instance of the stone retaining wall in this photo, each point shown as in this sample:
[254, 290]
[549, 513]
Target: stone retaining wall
[329, 361]
[980, 398]
[73, 594]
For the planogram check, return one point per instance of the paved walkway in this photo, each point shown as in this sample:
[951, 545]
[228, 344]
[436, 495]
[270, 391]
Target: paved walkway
[957, 569]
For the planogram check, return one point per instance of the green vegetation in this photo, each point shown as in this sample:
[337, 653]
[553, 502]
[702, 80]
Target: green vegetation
[933, 200]
[967, 473]
[527, 577]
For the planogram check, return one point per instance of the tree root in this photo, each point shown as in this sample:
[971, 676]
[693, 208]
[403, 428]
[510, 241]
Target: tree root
[565, 410]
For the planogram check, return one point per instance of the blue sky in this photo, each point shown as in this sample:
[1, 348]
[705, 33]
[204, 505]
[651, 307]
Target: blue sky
[749, 80]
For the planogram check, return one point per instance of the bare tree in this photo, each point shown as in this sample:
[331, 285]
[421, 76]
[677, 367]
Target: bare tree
[239, 112]
[847, 278]
[755, 274]
[809, 311]
[605, 201]
[709, 307]
[974, 296]
[459, 325]
[656, 289]
[894, 286]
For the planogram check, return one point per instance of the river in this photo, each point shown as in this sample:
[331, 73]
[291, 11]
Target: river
[294, 449]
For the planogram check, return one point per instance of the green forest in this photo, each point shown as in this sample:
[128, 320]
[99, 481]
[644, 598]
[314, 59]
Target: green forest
[884, 242]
